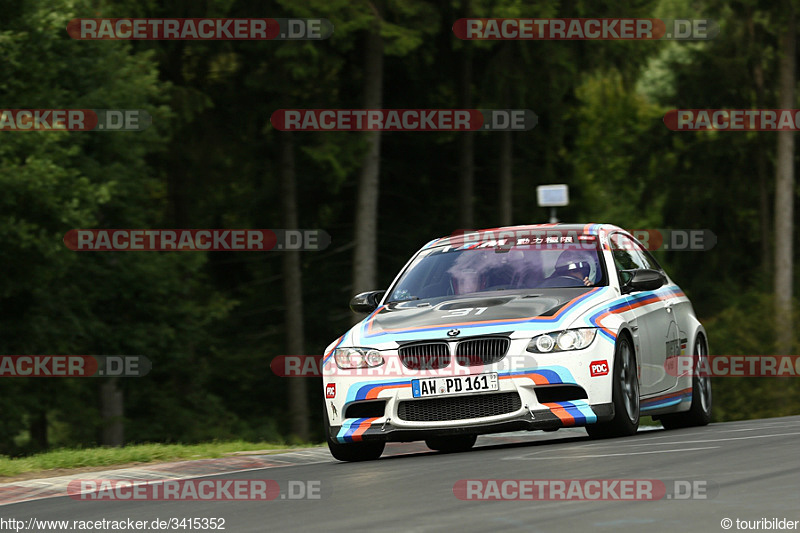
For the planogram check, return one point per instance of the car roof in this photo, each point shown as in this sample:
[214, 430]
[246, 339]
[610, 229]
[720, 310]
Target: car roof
[585, 229]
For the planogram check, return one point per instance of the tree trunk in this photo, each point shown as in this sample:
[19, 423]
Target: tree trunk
[112, 412]
[466, 179]
[293, 291]
[505, 167]
[784, 193]
[506, 181]
[366, 230]
[764, 214]
[466, 140]
[761, 155]
[38, 430]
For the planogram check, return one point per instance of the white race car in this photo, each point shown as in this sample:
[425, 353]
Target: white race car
[525, 327]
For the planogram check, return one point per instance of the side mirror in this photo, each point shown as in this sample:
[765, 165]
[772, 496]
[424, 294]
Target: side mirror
[642, 279]
[366, 302]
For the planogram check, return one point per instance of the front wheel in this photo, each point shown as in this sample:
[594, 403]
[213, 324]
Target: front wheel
[625, 395]
[699, 414]
[351, 451]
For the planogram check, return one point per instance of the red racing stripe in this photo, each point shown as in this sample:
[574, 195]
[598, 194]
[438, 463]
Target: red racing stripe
[377, 390]
[362, 428]
[558, 410]
[538, 379]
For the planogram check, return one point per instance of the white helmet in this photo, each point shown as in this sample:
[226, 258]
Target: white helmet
[574, 260]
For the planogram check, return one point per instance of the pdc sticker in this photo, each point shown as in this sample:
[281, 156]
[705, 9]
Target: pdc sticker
[598, 368]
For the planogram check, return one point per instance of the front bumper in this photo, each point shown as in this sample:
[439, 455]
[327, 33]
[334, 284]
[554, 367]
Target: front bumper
[569, 414]
[551, 391]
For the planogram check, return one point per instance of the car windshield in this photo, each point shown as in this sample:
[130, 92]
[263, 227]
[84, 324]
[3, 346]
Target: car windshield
[445, 271]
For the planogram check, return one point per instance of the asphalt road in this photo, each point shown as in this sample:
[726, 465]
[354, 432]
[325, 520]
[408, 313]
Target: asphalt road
[748, 470]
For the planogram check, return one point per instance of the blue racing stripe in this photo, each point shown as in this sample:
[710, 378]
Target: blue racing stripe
[528, 323]
[359, 391]
[347, 429]
[580, 411]
[657, 403]
[553, 374]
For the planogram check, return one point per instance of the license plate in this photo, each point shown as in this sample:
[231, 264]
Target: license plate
[422, 388]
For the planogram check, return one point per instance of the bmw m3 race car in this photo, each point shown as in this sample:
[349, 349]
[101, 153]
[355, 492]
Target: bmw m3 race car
[516, 328]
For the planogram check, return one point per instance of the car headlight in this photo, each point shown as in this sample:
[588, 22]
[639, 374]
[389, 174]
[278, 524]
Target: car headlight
[562, 341]
[354, 357]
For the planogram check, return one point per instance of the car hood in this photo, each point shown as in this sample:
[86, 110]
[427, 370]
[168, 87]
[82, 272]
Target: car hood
[478, 314]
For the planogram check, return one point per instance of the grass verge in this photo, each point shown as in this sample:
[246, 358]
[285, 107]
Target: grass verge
[136, 453]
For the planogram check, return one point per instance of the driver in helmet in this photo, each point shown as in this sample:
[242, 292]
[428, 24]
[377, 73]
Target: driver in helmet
[574, 264]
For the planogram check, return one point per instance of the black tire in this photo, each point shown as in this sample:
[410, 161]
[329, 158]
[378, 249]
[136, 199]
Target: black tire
[459, 443]
[625, 395]
[699, 414]
[352, 451]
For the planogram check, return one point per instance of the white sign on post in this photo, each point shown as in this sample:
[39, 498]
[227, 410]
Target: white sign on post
[552, 195]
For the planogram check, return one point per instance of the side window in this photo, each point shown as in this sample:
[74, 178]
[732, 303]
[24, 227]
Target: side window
[648, 258]
[628, 255]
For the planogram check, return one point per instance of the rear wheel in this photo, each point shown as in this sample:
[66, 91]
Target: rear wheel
[459, 443]
[352, 451]
[625, 395]
[699, 414]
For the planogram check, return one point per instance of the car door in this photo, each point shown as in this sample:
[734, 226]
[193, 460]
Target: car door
[653, 321]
